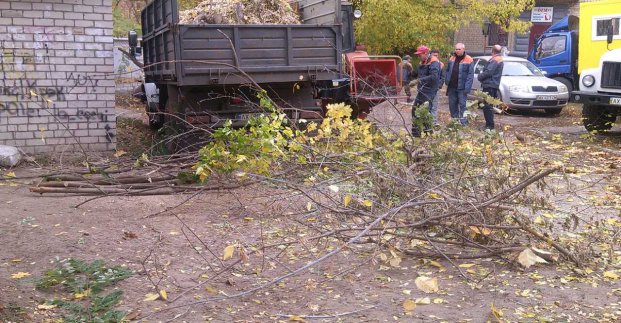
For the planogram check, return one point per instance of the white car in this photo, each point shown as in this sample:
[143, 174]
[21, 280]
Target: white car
[524, 87]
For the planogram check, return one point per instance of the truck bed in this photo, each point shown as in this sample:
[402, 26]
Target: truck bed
[193, 55]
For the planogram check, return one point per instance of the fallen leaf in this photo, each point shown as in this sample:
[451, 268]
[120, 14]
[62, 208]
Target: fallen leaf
[46, 306]
[309, 206]
[611, 275]
[496, 312]
[427, 284]
[16, 260]
[367, 203]
[20, 275]
[346, 200]
[83, 294]
[423, 301]
[296, 318]
[528, 258]
[119, 153]
[228, 252]
[163, 295]
[151, 297]
[466, 265]
[409, 305]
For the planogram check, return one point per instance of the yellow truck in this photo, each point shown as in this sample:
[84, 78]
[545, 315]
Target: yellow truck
[599, 64]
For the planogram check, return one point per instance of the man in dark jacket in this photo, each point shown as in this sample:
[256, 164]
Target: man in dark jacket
[490, 83]
[459, 76]
[434, 106]
[427, 82]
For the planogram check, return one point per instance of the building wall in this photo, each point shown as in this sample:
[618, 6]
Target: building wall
[472, 35]
[56, 81]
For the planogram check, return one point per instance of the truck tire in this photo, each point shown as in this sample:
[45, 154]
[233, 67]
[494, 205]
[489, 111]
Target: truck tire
[156, 119]
[565, 82]
[597, 118]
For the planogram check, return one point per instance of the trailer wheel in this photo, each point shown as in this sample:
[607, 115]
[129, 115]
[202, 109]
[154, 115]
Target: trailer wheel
[597, 118]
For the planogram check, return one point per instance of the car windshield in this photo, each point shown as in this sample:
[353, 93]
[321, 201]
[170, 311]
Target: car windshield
[520, 69]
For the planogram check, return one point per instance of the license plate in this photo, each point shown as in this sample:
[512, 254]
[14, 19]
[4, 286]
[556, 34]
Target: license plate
[615, 101]
[546, 97]
[246, 116]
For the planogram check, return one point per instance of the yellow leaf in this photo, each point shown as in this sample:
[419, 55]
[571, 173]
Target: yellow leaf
[611, 275]
[481, 231]
[538, 220]
[46, 306]
[151, 297]
[409, 305]
[427, 284]
[163, 295]
[434, 196]
[346, 200]
[309, 206]
[83, 294]
[407, 292]
[33, 93]
[228, 252]
[436, 264]
[248, 219]
[367, 203]
[119, 153]
[466, 265]
[296, 318]
[16, 260]
[20, 275]
[10, 174]
[438, 301]
[210, 290]
[423, 301]
[496, 312]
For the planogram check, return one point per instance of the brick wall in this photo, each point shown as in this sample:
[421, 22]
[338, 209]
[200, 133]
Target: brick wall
[56, 81]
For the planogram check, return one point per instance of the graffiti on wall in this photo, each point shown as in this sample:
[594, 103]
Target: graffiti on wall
[28, 90]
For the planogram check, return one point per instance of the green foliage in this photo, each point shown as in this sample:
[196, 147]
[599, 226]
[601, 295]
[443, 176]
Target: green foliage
[86, 281]
[423, 118]
[402, 25]
[122, 24]
[269, 141]
[255, 148]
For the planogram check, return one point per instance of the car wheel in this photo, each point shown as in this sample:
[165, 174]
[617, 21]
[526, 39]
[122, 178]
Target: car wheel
[597, 118]
[553, 111]
[565, 82]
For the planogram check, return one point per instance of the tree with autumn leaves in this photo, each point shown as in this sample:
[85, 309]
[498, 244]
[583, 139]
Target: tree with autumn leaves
[398, 26]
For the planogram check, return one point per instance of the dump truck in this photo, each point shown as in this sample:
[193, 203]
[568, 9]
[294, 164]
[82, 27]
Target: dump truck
[207, 75]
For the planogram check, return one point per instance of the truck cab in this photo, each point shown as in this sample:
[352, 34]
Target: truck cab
[556, 52]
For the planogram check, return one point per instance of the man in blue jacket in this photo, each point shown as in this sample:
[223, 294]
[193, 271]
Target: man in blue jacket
[427, 82]
[459, 76]
[490, 83]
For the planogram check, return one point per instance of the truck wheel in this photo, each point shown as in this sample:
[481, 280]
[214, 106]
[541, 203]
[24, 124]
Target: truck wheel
[156, 119]
[597, 118]
[565, 82]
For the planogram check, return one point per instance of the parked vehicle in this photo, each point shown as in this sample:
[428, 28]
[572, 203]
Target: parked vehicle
[556, 50]
[600, 85]
[524, 87]
[206, 75]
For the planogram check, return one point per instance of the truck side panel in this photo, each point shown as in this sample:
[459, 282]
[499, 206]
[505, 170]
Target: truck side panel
[591, 46]
[194, 55]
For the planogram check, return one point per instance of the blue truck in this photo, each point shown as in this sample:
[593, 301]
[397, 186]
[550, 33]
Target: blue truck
[556, 52]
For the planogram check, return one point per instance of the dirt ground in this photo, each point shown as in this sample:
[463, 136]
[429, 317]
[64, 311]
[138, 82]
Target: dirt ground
[180, 250]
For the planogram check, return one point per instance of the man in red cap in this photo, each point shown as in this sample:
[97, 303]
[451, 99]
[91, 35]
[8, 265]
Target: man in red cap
[427, 83]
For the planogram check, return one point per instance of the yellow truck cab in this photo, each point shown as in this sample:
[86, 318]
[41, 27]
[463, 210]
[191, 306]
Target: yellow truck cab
[599, 63]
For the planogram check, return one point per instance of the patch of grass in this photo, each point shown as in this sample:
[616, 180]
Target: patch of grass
[85, 282]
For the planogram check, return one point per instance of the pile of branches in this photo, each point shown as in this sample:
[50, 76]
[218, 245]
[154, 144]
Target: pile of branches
[241, 12]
